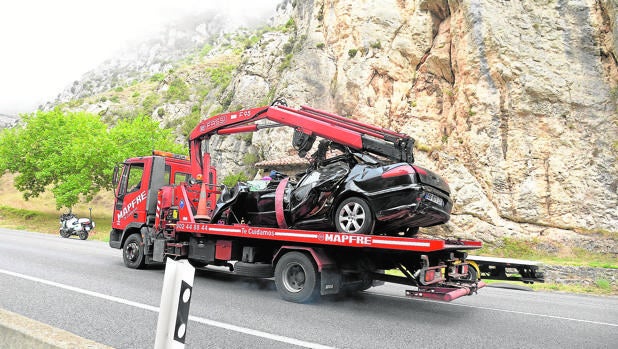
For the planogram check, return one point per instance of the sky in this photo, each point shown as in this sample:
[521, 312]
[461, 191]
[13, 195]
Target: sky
[45, 45]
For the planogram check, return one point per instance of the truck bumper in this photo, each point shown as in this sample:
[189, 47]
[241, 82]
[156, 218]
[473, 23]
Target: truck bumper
[445, 293]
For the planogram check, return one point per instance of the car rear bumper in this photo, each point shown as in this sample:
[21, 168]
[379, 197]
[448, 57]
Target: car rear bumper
[422, 213]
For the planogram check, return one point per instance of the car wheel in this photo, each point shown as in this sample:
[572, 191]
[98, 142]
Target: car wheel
[354, 215]
[297, 278]
[133, 252]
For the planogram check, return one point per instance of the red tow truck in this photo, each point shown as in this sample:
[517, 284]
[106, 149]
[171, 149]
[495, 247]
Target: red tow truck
[165, 204]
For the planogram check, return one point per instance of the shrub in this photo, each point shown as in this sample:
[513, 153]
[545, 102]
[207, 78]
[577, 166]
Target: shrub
[206, 50]
[603, 284]
[285, 64]
[221, 75]
[149, 103]
[290, 25]
[250, 159]
[178, 90]
[158, 77]
[231, 180]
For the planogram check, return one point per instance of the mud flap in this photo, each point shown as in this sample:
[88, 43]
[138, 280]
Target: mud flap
[330, 280]
[158, 254]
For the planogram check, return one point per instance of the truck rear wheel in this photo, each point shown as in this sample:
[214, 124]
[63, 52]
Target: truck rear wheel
[133, 252]
[297, 278]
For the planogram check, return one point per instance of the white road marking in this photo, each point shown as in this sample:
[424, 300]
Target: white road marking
[249, 331]
[499, 310]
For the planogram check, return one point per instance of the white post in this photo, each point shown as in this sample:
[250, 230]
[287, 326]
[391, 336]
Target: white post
[175, 300]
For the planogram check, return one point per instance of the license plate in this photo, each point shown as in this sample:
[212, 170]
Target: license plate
[434, 198]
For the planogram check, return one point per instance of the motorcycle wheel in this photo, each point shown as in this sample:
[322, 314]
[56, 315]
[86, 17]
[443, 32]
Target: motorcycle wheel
[83, 235]
[64, 234]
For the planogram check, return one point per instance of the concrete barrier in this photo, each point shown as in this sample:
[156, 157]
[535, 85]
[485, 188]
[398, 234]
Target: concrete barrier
[17, 332]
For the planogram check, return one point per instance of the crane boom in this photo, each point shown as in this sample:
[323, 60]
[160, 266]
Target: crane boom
[310, 121]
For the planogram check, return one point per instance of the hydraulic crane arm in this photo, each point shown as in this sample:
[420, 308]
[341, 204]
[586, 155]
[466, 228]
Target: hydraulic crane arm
[312, 122]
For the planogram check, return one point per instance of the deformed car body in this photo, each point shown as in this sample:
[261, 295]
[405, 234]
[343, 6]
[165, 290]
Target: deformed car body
[351, 192]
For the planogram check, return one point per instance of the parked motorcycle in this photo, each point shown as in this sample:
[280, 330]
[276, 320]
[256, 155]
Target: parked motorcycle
[70, 224]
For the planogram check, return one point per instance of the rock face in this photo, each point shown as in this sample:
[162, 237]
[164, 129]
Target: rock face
[513, 102]
[8, 121]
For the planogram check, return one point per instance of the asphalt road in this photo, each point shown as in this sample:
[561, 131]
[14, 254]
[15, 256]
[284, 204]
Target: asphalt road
[83, 287]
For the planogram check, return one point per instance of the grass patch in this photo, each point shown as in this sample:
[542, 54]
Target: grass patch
[598, 288]
[529, 249]
[46, 222]
[40, 215]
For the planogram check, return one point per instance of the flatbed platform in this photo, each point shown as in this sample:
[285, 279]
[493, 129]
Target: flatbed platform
[328, 238]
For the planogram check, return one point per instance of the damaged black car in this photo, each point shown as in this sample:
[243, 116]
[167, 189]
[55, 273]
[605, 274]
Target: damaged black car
[342, 190]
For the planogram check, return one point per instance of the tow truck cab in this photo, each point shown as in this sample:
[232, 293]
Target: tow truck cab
[137, 182]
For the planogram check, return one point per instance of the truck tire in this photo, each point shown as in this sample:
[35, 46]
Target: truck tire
[297, 278]
[133, 252]
[354, 215]
[257, 270]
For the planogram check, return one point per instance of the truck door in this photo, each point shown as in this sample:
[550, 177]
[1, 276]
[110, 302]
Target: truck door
[131, 195]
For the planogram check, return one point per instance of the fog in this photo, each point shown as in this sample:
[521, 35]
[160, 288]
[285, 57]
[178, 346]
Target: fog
[46, 45]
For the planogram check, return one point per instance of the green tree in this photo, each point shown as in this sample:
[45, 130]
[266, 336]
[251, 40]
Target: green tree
[73, 154]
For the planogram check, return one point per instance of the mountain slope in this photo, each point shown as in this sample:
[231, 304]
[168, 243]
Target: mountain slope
[513, 102]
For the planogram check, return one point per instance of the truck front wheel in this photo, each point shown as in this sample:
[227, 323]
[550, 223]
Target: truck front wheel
[133, 252]
[297, 278]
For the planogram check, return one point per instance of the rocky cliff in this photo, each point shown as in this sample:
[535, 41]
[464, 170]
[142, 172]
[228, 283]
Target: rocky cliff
[514, 102]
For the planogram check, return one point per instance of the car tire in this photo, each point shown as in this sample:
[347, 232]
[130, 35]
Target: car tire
[353, 215]
[297, 278]
[133, 252]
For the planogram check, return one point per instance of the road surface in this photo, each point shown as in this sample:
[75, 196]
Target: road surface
[84, 288]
